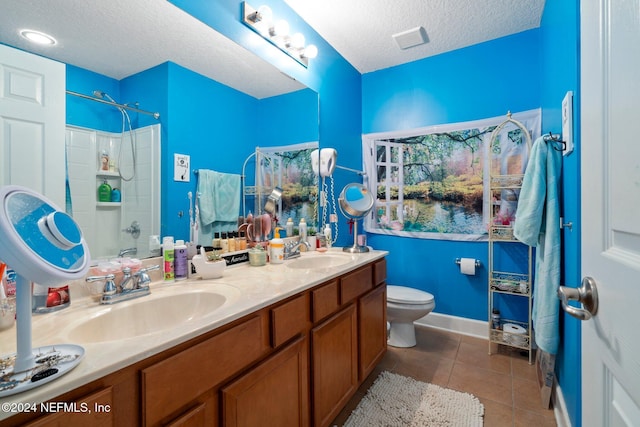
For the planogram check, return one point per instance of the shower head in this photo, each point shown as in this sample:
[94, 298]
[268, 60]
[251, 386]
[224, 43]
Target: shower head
[103, 95]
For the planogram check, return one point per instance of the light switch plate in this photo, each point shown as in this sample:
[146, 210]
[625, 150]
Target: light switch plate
[181, 167]
[567, 123]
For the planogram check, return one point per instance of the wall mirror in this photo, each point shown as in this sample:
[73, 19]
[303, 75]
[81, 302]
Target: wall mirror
[119, 39]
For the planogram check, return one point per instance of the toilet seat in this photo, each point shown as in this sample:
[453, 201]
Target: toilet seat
[405, 295]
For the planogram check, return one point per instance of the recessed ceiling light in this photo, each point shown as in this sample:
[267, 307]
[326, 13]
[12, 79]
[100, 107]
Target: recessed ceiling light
[38, 37]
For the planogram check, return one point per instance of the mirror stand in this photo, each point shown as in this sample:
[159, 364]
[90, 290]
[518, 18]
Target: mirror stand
[356, 248]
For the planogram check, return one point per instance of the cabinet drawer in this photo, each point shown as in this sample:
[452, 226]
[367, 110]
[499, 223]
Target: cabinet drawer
[379, 272]
[176, 381]
[355, 284]
[100, 412]
[289, 319]
[325, 300]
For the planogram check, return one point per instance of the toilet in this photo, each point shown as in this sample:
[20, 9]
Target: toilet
[404, 306]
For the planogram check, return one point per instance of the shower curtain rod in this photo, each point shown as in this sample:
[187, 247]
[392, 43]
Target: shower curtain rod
[113, 104]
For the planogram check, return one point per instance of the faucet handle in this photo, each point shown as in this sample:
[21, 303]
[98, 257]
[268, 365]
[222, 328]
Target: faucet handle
[143, 279]
[109, 284]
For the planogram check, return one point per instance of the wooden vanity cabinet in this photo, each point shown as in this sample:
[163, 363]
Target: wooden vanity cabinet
[346, 346]
[297, 362]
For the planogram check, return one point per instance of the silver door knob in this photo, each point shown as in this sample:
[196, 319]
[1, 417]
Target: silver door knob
[586, 294]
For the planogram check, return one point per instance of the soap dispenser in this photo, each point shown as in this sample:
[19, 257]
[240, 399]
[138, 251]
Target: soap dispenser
[276, 246]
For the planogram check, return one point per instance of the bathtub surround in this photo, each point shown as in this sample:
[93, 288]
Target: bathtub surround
[102, 223]
[398, 400]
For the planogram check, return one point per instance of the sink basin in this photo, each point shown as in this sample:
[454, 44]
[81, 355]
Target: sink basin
[317, 262]
[152, 314]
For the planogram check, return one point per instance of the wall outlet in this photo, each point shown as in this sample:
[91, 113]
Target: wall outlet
[181, 167]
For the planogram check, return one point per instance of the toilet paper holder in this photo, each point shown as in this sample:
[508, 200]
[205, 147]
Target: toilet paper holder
[478, 263]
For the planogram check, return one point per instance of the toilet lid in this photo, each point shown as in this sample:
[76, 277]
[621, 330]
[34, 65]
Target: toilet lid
[404, 295]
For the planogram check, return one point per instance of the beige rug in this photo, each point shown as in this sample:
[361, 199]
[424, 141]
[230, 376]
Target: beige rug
[395, 400]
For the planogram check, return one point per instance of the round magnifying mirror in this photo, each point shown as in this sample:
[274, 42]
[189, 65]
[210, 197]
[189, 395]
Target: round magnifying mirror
[40, 242]
[356, 201]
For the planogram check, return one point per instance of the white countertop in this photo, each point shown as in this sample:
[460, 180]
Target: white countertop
[247, 289]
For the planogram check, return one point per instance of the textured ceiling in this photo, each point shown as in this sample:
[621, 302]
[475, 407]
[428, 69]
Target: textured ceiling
[118, 38]
[361, 30]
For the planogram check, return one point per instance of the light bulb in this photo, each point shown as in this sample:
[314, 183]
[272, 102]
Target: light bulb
[297, 41]
[281, 28]
[265, 13]
[310, 51]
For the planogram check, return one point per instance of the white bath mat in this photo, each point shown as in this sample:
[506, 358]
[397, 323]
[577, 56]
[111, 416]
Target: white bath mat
[395, 400]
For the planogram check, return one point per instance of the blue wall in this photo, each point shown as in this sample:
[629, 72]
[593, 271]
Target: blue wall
[84, 113]
[560, 73]
[467, 84]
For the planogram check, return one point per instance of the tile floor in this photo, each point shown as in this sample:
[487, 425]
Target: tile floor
[504, 382]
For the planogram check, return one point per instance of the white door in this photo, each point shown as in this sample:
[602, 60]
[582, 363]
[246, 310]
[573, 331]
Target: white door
[32, 123]
[610, 137]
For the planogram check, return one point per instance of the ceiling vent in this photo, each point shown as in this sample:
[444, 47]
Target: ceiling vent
[410, 38]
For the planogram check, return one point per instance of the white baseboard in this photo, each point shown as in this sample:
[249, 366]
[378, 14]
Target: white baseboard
[560, 407]
[480, 329]
[460, 325]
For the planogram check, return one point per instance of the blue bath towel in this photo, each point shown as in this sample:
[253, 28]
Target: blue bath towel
[538, 224]
[218, 196]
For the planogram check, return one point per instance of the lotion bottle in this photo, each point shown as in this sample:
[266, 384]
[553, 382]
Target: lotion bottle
[180, 261]
[277, 248]
[327, 235]
[289, 228]
[168, 254]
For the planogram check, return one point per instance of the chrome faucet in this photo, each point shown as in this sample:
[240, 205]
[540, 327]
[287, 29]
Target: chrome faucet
[292, 249]
[123, 252]
[132, 286]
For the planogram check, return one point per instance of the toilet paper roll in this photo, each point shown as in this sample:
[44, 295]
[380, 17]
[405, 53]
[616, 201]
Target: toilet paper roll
[518, 337]
[468, 266]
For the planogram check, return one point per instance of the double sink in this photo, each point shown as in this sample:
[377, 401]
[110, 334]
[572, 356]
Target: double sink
[170, 306]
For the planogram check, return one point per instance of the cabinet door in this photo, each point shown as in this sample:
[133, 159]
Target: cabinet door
[372, 333]
[334, 364]
[274, 393]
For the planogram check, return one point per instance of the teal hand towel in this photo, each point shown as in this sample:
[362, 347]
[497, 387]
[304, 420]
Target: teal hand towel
[538, 224]
[219, 196]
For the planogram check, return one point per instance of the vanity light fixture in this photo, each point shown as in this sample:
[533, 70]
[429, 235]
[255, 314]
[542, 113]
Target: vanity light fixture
[38, 37]
[277, 33]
